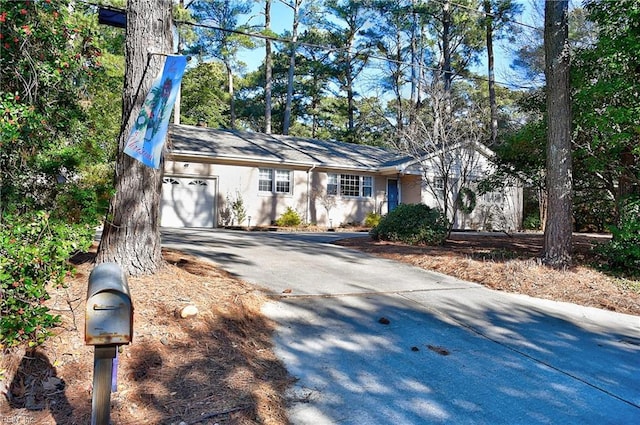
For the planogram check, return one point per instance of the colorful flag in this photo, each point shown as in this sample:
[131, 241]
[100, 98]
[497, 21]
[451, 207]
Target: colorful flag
[147, 136]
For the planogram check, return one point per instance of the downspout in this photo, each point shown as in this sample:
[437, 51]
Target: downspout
[176, 106]
[308, 212]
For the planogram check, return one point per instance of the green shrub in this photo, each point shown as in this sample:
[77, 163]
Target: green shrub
[239, 211]
[622, 253]
[34, 250]
[413, 224]
[289, 218]
[532, 222]
[372, 219]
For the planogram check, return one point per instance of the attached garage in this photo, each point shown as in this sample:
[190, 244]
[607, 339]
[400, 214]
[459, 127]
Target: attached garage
[188, 202]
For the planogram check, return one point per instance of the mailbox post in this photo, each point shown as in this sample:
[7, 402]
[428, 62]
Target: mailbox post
[108, 324]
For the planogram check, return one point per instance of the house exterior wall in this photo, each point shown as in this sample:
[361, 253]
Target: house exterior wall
[499, 210]
[240, 182]
[335, 210]
[308, 195]
[411, 189]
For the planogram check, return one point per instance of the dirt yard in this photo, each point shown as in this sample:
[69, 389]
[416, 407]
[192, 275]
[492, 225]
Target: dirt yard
[218, 367]
[214, 368]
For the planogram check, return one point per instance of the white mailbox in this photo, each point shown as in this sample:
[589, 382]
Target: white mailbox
[109, 312]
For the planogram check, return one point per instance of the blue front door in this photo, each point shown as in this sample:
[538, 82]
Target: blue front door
[392, 194]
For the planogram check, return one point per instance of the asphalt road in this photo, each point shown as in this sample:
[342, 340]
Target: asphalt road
[448, 351]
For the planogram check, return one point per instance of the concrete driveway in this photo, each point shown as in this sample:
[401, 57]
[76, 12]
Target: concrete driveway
[376, 342]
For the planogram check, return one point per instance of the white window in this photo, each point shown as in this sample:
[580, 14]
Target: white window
[438, 183]
[367, 186]
[350, 185]
[265, 180]
[332, 184]
[198, 183]
[280, 184]
[493, 197]
[283, 181]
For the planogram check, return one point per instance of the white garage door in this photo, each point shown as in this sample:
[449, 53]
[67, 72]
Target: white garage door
[188, 202]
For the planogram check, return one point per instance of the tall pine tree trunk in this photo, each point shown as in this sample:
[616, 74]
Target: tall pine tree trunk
[558, 230]
[351, 107]
[268, 65]
[491, 72]
[415, 63]
[131, 234]
[397, 82]
[292, 66]
[315, 107]
[232, 100]
[446, 47]
[286, 123]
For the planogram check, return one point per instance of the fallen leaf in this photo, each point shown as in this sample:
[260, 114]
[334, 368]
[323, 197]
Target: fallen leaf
[384, 321]
[440, 350]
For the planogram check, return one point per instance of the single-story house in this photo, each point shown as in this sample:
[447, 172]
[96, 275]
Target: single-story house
[327, 183]
[210, 175]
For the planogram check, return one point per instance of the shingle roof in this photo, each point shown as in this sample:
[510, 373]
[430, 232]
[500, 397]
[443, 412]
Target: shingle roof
[244, 145]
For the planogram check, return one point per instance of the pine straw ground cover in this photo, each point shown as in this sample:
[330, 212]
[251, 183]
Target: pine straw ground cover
[512, 263]
[219, 367]
[216, 368]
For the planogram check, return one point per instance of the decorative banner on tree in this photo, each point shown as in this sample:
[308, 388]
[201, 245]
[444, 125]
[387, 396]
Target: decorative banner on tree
[147, 136]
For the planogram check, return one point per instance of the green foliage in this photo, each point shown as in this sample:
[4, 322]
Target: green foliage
[466, 200]
[34, 250]
[20, 133]
[54, 184]
[522, 155]
[606, 101]
[223, 45]
[44, 136]
[372, 219]
[204, 97]
[605, 105]
[593, 213]
[41, 173]
[622, 253]
[415, 224]
[238, 209]
[532, 222]
[290, 218]
[51, 50]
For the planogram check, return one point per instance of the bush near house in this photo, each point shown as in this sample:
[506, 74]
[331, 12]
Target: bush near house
[238, 209]
[289, 218]
[415, 224]
[372, 219]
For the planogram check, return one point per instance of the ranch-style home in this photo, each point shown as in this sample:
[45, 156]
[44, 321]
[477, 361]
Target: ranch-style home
[208, 171]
